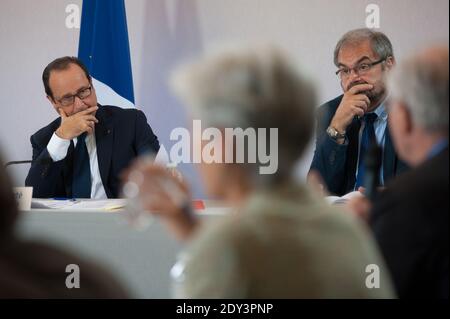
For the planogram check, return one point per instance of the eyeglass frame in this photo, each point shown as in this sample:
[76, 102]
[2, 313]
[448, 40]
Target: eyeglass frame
[78, 94]
[358, 72]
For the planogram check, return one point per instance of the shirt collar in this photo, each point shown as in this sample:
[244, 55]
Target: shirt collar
[380, 111]
[438, 147]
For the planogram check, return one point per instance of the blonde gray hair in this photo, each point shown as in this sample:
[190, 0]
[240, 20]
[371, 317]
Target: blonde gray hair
[252, 88]
[421, 83]
[380, 43]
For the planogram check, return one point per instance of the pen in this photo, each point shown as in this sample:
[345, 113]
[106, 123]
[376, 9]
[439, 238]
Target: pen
[64, 198]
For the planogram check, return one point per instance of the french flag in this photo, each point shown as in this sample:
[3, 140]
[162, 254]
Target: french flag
[105, 51]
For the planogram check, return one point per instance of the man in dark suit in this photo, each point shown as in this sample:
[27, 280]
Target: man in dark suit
[347, 124]
[82, 153]
[410, 218]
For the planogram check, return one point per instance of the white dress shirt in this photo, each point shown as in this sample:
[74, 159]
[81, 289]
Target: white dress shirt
[58, 147]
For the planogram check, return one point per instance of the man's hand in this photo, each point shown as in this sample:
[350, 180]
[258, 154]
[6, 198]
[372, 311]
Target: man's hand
[354, 103]
[73, 126]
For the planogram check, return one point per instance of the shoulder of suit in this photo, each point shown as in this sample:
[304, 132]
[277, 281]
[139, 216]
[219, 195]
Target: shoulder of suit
[332, 104]
[47, 131]
[417, 197]
[117, 111]
[327, 110]
[428, 179]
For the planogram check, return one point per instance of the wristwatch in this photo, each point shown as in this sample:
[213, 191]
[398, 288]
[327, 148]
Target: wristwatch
[334, 134]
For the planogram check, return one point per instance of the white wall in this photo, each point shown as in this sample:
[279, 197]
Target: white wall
[164, 32]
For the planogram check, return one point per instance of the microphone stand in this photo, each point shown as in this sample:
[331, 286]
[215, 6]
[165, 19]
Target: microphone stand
[18, 162]
[373, 165]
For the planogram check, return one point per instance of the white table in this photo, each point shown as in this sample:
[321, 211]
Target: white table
[140, 259]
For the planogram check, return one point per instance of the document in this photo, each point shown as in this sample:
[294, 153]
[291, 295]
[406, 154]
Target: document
[336, 200]
[37, 203]
[82, 204]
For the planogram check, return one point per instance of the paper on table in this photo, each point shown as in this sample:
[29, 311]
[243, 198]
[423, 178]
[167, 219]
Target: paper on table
[51, 203]
[102, 204]
[342, 200]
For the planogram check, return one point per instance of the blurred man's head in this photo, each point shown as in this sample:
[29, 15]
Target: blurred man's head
[68, 85]
[363, 56]
[418, 110]
[257, 89]
[8, 205]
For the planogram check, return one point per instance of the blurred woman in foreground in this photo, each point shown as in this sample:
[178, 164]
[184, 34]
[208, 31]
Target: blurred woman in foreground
[282, 241]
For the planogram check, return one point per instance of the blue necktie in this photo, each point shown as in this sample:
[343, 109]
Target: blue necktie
[81, 181]
[367, 138]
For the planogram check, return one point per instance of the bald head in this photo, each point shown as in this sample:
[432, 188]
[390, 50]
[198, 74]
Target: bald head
[437, 56]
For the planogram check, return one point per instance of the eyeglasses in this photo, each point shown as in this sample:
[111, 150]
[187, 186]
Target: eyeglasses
[81, 94]
[362, 68]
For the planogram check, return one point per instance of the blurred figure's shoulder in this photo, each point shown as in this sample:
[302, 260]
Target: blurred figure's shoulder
[39, 270]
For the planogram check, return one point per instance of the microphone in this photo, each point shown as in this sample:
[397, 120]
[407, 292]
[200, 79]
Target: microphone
[42, 161]
[373, 165]
[18, 162]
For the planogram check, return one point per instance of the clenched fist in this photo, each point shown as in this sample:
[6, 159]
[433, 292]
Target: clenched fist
[354, 103]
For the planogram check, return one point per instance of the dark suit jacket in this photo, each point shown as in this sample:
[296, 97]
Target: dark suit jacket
[337, 163]
[410, 222]
[120, 134]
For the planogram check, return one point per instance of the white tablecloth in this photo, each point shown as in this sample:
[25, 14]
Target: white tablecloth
[140, 259]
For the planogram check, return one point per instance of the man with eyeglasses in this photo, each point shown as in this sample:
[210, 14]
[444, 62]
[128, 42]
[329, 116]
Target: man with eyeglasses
[82, 153]
[349, 124]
